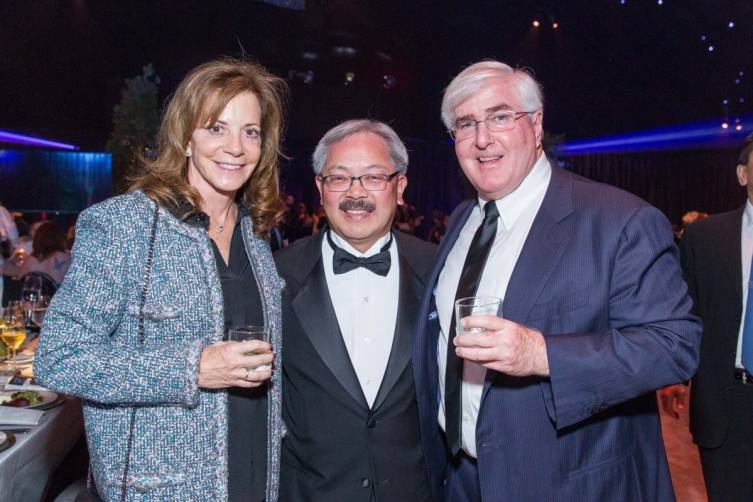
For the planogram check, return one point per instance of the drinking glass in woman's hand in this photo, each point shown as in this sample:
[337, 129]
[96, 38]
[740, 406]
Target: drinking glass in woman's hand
[245, 333]
[233, 364]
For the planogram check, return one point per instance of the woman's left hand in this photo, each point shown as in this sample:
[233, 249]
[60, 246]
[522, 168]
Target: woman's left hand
[235, 364]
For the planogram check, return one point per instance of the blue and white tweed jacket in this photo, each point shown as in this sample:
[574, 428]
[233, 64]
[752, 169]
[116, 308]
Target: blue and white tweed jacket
[89, 348]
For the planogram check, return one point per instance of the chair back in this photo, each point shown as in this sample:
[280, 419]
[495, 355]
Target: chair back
[49, 285]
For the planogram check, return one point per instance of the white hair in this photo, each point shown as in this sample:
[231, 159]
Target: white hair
[473, 78]
[398, 152]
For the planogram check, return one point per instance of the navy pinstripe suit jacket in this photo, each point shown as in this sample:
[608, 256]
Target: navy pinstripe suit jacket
[599, 277]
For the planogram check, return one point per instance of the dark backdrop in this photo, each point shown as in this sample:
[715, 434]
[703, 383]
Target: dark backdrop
[39, 180]
[673, 181]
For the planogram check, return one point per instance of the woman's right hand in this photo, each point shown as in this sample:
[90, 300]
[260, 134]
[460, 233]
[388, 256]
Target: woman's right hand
[232, 364]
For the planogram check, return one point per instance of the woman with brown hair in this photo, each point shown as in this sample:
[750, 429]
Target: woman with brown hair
[173, 410]
[49, 254]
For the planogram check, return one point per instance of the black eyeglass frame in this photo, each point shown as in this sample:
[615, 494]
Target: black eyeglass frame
[387, 178]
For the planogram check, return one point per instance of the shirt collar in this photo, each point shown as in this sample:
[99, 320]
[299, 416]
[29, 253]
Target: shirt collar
[187, 213]
[748, 215]
[374, 249]
[518, 201]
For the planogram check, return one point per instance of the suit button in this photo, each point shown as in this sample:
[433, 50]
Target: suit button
[371, 423]
[365, 482]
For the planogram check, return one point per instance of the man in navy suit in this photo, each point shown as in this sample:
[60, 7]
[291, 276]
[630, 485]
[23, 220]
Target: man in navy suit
[554, 400]
[716, 258]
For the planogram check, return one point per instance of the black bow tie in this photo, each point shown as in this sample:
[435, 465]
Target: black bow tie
[343, 261]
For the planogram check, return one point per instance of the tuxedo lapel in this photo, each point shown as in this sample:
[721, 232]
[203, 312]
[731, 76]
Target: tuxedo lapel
[408, 305]
[316, 315]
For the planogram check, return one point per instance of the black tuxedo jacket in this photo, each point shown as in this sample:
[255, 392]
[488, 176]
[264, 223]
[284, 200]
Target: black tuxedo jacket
[337, 448]
[711, 262]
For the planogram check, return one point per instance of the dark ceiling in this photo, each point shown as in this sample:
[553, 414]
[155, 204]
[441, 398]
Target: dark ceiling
[610, 66]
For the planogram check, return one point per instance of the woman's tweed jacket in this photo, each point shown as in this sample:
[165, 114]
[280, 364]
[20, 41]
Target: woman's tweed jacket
[89, 348]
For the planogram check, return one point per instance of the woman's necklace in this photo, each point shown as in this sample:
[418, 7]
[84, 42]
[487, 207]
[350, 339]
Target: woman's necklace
[221, 226]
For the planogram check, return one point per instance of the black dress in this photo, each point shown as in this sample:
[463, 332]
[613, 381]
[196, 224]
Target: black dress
[247, 408]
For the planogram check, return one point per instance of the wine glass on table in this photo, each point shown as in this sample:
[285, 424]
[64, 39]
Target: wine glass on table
[3, 325]
[35, 317]
[13, 333]
[31, 290]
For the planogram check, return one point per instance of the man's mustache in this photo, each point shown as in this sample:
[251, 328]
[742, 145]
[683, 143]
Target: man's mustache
[357, 205]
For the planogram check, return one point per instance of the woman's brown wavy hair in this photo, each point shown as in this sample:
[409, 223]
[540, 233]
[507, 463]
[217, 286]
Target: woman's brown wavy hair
[165, 178]
[48, 238]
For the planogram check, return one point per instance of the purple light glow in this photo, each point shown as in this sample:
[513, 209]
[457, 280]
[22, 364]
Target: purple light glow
[21, 139]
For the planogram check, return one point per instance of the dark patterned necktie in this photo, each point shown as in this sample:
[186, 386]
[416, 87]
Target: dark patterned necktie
[467, 286]
[342, 261]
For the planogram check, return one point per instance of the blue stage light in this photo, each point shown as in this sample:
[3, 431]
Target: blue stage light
[706, 134]
[22, 139]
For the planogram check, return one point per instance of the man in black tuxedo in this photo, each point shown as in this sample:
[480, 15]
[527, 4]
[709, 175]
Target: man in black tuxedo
[352, 293]
[716, 259]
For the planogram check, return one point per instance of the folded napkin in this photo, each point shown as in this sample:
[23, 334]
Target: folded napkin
[27, 372]
[20, 382]
[26, 386]
[19, 416]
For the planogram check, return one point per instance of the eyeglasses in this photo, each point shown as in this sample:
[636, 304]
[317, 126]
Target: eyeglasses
[370, 182]
[496, 122]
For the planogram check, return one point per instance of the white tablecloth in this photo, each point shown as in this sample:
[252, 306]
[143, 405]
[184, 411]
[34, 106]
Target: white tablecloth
[25, 467]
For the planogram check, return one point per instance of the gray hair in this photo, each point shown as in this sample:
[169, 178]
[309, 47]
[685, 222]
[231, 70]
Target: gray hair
[473, 78]
[398, 152]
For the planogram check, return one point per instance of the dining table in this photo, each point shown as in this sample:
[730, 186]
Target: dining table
[30, 454]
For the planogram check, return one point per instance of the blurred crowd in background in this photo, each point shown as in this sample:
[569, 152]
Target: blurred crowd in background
[36, 243]
[302, 221]
[37, 247]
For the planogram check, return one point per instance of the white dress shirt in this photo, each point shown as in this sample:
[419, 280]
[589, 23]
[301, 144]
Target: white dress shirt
[516, 214]
[746, 251]
[366, 308]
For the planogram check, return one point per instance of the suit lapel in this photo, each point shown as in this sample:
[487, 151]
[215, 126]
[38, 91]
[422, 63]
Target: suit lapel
[408, 305]
[729, 252]
[541, 252]
[313, 307]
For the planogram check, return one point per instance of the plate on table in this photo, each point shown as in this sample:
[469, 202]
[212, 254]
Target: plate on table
[49, 399]
[7, 439]
[23, 358]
